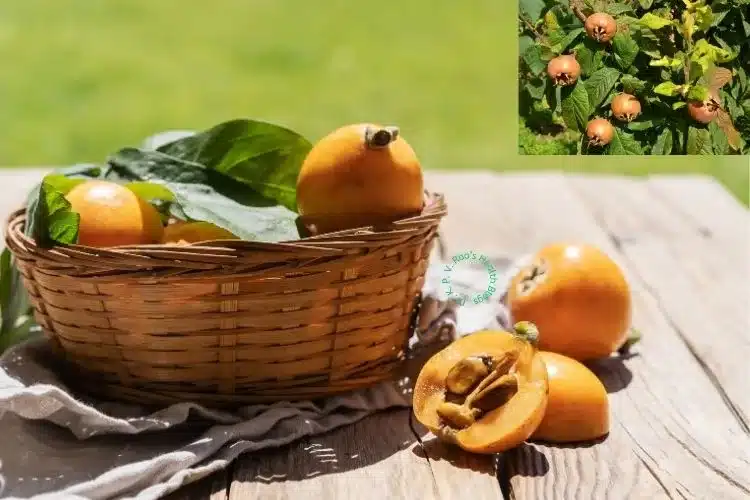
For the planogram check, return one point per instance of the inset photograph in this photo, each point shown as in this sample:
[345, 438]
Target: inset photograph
[635, 77]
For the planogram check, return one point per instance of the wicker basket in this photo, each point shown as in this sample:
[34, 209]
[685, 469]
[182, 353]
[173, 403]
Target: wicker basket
[235, 322]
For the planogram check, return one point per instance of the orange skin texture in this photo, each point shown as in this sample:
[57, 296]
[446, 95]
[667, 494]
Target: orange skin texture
[502, 428]
[577, 405]
[625, 107]
[582, 306]
[605, 22]
[600, 130]
[343, 184]
[112, 215]
[194, 232]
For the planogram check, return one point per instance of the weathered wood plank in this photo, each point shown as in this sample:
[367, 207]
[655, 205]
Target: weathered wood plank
[375, 458]
[679, 433]
[699, 276]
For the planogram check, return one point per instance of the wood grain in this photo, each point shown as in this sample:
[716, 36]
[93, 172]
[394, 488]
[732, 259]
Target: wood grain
[375, 458]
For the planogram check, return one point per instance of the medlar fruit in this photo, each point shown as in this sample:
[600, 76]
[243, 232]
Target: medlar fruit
[704, 111]
[564, 70]
[625, 107]
[601, 27]
[600, 132]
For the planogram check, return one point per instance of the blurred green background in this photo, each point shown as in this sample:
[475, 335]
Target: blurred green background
[82, 78]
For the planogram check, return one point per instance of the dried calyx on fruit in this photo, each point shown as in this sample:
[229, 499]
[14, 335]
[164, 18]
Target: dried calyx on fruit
[564, 70]
[485, 392]
[599, 132]
[704, 111]
[601, 27]
[626, 107]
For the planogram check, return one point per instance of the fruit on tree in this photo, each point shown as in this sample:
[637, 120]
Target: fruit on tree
[601, 27]
[359, 175]
[600, 132]
[564, 70]
[577, 405]
[625, 107]
[486, 392]
[113, 215]
[577, 296]
[704, 111]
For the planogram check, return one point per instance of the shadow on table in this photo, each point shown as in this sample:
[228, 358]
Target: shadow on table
[613, 372]
[369, 441]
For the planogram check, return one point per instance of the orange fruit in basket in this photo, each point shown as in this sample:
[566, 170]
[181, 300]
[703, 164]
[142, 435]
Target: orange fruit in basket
[359, 175]
[578, 298]
[193, 232]
[577, 405]
[485, 392]
[112, 215]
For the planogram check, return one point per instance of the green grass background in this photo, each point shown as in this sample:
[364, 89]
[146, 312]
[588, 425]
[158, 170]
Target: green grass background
[81, 78]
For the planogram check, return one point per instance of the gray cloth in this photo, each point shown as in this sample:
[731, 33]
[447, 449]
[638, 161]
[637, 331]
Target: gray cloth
[56, 444]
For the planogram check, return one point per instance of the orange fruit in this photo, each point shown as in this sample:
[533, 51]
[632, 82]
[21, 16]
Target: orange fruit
[194, 232]
[485, 392]
[359, 175]
[578, 298]
[112, 215]
[577, 405]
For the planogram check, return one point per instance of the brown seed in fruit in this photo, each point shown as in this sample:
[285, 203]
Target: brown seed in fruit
[601, 27]
[563, 70]
[466, 374]
[625, 107]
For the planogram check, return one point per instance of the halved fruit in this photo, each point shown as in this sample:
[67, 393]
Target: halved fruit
[486, 392]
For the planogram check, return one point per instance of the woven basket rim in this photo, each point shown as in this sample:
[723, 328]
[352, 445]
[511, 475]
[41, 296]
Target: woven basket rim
[220, 254]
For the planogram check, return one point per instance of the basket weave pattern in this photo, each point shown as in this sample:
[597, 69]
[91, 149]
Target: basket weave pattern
[231, 322]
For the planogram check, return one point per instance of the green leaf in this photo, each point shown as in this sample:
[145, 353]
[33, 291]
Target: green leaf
[699, 141]
[623, 144]
[600, 84]
[533, 59]
[561, 40]
[262, 155]
[654, 22]
[666, 62]
[646, 4]
[669, 89]
[49, 217]
[641, 125]
[679, 104]
[625, 50]
[532, 8]
[14, 302]
[697, 93]
[150, 191]
[664, 142]
[615, 9]
[589, 55]
[718, 139]
[207, 195]
[575, 106]
[203, 203]
[632, 84]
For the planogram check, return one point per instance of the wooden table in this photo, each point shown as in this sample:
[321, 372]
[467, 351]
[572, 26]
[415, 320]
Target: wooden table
[680, 402]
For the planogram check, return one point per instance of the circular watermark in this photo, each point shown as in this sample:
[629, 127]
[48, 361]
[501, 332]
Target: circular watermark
[454, 292]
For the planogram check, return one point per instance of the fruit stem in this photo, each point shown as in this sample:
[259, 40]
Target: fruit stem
[377, 138]
[633, 338]
[527, 331]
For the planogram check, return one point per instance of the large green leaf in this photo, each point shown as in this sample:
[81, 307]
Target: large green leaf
[203, 194]
[664, 142]
[575, 106]
[600, 84]
[49, 218]
[624, 144]
[264, 156]
[15, 310]
[589, 55]
[699, 141]
[625, 50]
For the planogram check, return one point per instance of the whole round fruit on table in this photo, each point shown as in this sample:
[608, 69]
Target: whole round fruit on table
[578, 298]
[113, 215]
[359, 175]
[485, 392]
[577, 404]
